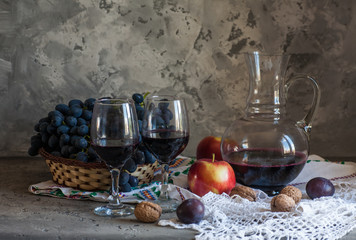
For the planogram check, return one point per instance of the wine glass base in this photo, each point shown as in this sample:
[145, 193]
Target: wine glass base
[114, 210]
[168, 206]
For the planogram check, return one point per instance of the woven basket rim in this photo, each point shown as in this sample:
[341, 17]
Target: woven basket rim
[70, 162]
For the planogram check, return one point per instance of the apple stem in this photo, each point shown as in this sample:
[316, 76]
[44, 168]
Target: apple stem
[213, 157]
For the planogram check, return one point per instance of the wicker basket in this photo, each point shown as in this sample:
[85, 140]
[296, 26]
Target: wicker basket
[89, 176]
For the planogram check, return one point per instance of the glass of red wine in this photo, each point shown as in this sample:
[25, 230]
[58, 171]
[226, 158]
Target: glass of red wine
[165, 133]
[114, 137]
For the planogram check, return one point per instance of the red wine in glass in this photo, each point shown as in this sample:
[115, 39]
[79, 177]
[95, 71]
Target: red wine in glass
[165, 133]
[168, 146]
[266, 169]
[114, 135]
[114, 156]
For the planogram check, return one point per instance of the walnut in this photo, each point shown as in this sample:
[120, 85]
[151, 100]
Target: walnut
[282, 203]
[292, 192]
[244, 192]
[148, 212]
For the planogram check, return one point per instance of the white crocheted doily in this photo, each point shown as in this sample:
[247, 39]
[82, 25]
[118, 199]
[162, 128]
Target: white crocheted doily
[237, 218]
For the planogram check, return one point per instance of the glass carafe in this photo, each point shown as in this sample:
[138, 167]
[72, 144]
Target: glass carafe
[266, 149]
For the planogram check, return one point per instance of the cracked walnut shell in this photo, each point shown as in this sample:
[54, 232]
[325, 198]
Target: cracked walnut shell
[148, 212]
[282, 203]
[244, 192]
[292, 192]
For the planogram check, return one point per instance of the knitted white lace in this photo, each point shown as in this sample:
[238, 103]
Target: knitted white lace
[237, 218]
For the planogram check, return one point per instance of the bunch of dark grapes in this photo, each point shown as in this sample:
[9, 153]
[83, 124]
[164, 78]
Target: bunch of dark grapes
[65, 132]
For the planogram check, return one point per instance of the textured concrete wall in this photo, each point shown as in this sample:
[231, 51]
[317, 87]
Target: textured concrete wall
[54, 50]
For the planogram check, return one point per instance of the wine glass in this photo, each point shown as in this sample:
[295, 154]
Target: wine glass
[114, 137]
[165, 133]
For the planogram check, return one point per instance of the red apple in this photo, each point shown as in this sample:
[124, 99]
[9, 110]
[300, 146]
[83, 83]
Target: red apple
[208, 146]
[207, 175]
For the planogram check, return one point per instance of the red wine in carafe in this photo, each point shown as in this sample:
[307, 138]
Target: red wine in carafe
[266, 169]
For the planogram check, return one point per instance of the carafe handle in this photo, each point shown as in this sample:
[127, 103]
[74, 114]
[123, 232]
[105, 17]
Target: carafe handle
[306, 122]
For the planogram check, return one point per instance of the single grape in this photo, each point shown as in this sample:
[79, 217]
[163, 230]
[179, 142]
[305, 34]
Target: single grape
[87, 115]
[139, 157]
[65, 151]
[82, 156]
[62, 129]
[53, 141]
[130, 165]
[45, 119]
[75, 111]
[125, 187]
[81, 121]
[138, 98]
[54, 113]
[36, 137]
[190, 211]
[319, 187]
[133, 181]
[149, 158]
[91, 152]
[167, 115]
[37, 127]
[43, 127]
[51, 129]
[36, 141]
[74, 102]
[124, 177]
[93, 158]
[44, 137]
[70, 121]
[64, 139]
[83, 130]
[56, 121]
[32, 151]
[73, 139]
[81, 143]
[89, 103]
[73, 130]
[63, 108]
[72, 150]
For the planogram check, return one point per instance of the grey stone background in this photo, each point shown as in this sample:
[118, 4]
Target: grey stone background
[54, 50]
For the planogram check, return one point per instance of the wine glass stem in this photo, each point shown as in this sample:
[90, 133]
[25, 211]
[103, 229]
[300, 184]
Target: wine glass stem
[164, 187]
[115, 174]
